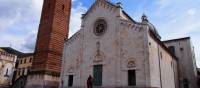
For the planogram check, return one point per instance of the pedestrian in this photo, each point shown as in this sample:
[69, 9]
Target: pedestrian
[89, 81]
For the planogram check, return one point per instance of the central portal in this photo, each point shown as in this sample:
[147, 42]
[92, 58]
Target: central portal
[97, 74]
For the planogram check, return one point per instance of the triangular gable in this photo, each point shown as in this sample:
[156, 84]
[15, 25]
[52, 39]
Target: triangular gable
[96, 2]
[124, 14]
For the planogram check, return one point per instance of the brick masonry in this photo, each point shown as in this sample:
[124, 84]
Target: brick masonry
[53, 30]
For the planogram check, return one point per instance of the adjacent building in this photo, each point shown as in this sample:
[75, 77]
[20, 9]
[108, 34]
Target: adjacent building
[120, 52]
[183, 49]
[8, 60]
[14, 67]
[22, 69]
[24, 65]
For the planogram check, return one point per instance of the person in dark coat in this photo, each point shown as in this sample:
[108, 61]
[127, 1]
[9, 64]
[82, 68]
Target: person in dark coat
[89, 81]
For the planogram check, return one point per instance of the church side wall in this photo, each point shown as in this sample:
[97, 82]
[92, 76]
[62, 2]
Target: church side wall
[168, 67]
[176, 73]
[154, 63]
[161, 66]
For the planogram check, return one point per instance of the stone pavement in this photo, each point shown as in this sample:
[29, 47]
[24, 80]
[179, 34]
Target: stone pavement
[1, 86]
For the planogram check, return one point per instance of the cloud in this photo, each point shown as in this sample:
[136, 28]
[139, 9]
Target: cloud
[196, 48]
[17, 21]
[7, 22]
[36, 4]
[164, 3]
[178, 19]
[75, 21]
[191, 11]
[29, 43]
[20, 19]
[10, 13]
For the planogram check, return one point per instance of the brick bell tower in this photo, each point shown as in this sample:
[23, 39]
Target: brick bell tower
[53, 29]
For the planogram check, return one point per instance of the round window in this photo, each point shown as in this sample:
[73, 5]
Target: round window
[100, 27]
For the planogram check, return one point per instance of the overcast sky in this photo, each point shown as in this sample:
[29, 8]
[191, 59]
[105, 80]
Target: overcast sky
[19, 19]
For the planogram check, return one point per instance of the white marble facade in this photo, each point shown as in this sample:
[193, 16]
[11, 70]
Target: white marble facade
[122, 45]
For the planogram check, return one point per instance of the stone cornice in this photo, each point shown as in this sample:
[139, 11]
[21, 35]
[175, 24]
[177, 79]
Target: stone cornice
[74, 37]
[130, 24]
[45, 72]
[103, 3]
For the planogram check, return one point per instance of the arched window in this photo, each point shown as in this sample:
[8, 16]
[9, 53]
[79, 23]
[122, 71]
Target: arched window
[63, 7]
[30, 60]
[172, 49]
[23, 71]
[6, 75]
[25, 60]
[185, 83]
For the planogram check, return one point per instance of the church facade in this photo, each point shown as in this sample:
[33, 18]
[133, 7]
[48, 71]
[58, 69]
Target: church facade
[118, 52]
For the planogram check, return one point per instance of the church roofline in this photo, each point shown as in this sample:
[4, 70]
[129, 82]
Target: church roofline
[162, 44]
[130, 18]
[26, 55]
[11, 51]
[68, 40]
[109, 2]
[15, 52]
[112, 4]
[178, 39]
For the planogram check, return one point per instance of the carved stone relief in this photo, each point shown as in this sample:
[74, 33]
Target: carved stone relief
[99, 55]
[131, 63]
[70, 69]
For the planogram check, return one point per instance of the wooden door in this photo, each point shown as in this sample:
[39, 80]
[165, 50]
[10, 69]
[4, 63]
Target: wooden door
[97, 74]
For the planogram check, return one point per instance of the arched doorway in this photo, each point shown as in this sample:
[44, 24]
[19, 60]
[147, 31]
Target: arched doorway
[20, 82]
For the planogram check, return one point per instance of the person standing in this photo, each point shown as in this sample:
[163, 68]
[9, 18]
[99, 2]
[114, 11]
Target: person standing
[89, 81]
